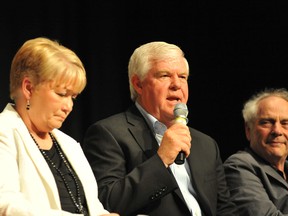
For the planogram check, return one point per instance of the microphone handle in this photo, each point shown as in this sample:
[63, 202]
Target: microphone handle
[180, 158]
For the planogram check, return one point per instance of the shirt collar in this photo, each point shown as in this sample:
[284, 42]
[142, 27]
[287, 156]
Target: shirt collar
[156, 126]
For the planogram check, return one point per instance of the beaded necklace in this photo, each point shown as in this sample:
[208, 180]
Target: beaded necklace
[76, 200]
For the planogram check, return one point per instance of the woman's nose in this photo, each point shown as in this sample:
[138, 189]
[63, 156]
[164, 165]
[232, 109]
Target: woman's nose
[68, 104]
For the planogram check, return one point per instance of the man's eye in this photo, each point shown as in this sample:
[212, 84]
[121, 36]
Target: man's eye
[265, 122]
[164, 75]
[285, 124]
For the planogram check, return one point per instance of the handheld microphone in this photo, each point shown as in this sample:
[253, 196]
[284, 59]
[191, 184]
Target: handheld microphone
[180, 114]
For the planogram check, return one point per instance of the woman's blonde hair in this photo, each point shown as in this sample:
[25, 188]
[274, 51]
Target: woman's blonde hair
[44, 60]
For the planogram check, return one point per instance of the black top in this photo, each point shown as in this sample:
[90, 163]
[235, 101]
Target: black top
[66, 202]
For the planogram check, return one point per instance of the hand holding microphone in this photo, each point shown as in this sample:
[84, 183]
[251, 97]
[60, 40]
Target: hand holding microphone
[176, 137]
[180, 114]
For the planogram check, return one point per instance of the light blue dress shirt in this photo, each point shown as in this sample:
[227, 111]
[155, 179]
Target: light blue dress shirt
[181, 172]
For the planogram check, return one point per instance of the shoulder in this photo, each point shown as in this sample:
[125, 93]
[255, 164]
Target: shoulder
[198, 134]
[202, 138]
[111, 123]
[241, 158]
[11, 122]
[8, 115]
[131, 117]
[112, 119]
[204, 146]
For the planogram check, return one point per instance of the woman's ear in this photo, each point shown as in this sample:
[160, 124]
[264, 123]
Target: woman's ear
[137, 84]
[27, 87]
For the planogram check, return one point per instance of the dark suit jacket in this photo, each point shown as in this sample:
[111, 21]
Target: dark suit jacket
[256, 187]
[133, 180]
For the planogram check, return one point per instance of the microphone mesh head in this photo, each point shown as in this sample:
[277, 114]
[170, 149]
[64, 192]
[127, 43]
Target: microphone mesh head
[180, 109]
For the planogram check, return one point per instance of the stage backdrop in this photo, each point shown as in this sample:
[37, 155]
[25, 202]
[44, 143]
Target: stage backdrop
[234, 48]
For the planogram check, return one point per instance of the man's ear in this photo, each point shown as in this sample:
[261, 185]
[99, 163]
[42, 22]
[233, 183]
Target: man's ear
[247, 131]
[137, 84]
[27, 87]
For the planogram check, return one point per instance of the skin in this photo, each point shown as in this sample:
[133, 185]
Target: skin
[164, 86]
[50, 106]
[268, 135]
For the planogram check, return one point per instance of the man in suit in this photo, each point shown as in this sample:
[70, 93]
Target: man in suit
[132, 153]
[257, 177]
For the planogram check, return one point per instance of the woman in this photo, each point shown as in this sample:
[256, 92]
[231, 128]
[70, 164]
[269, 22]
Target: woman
[44, 171]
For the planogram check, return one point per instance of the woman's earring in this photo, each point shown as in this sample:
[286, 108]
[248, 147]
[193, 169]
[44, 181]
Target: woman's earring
[28, 105]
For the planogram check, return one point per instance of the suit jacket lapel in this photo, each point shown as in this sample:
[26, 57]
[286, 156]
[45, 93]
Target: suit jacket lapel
[197, 179]
[37, 158]
[141, 132]
[144, 136]
[270, 171]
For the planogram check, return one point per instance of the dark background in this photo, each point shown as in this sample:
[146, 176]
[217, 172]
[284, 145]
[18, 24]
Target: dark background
[234, 48]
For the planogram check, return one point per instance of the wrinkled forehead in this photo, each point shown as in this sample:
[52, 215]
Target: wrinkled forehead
[273, 105]
[177, 64]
